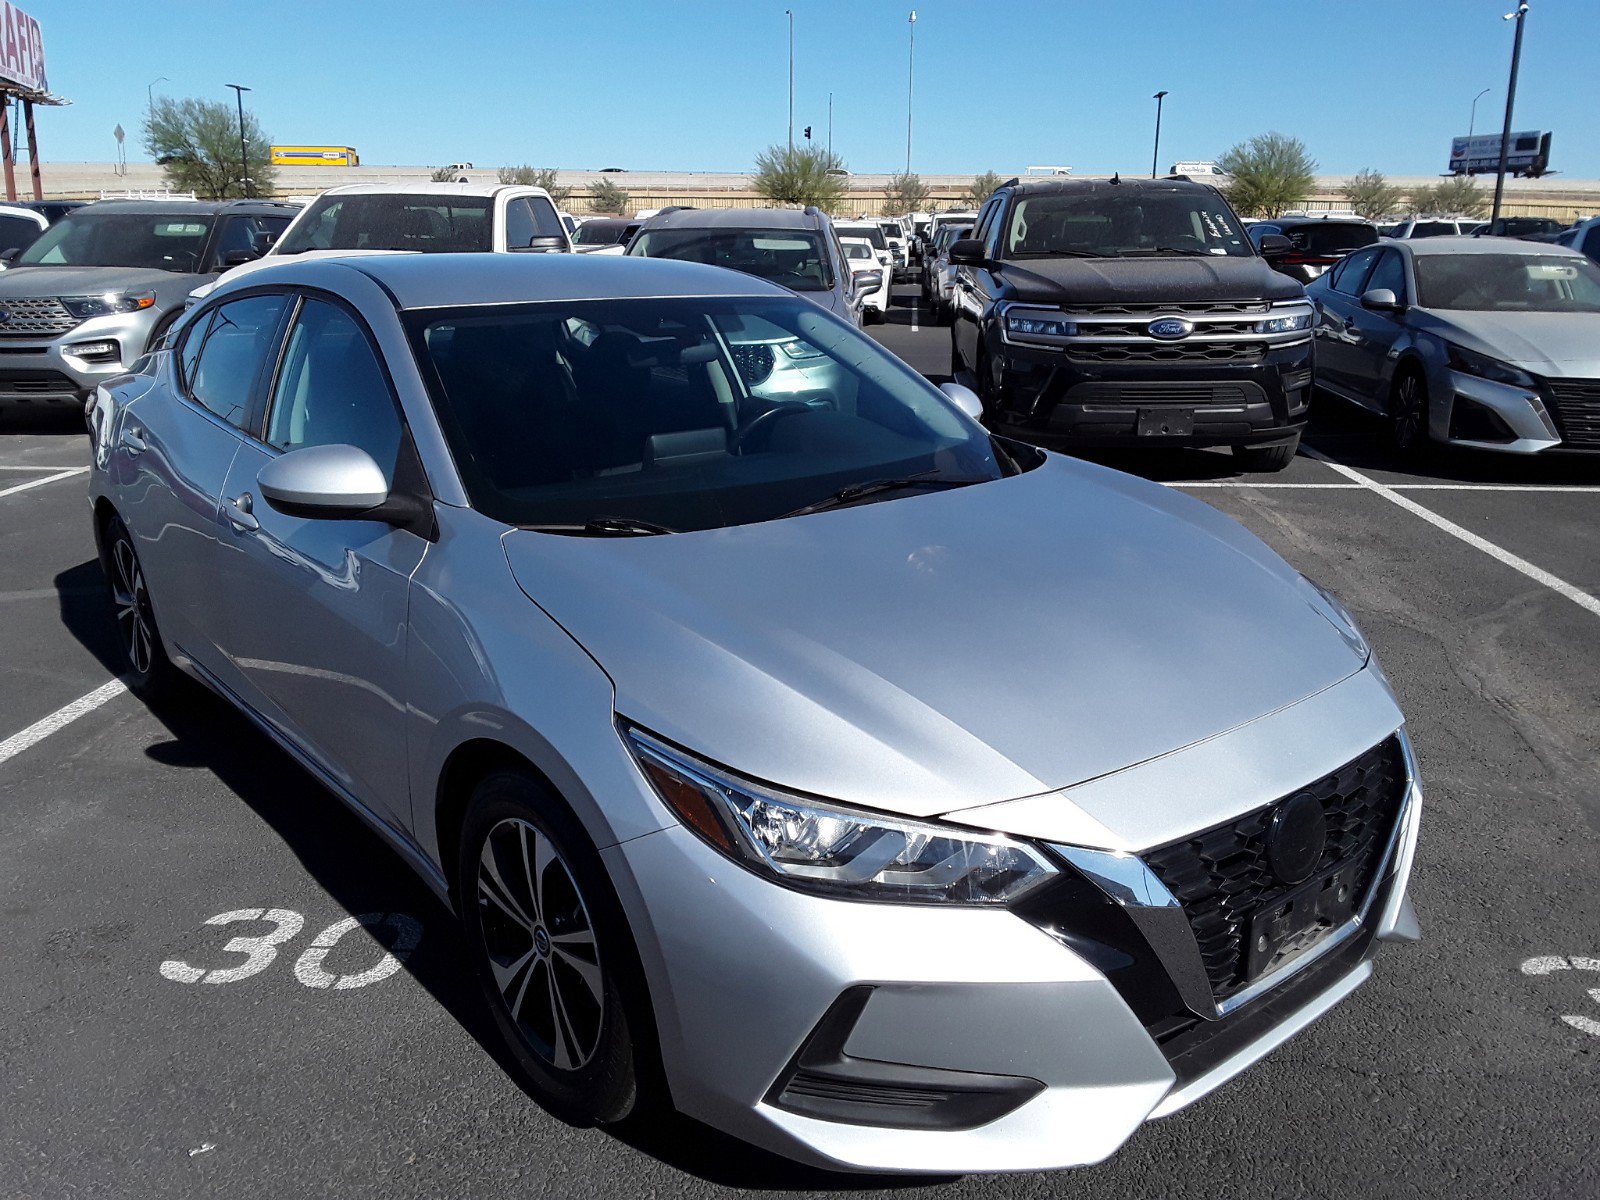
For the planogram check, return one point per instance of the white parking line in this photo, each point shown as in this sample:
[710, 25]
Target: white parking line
[914, 315]
[33, 483]
[1396, 487]
[60, 719]
[1538, 574]
[14, 467]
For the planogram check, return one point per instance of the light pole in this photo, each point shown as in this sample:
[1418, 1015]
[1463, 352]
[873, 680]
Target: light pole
[1520, 16]
[244, 157]
[911, 75]
[1155, 155]
[1472, 123]
[789, 12]
[149, 92]
[830, 126]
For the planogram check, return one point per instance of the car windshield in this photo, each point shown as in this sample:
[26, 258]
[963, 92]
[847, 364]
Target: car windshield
[1103, 222]
[168, 241]
[891, 229]
[792, 258]
[1508, 282]
[870, 233]
[857, 249]
[681, 413]
[387, 221]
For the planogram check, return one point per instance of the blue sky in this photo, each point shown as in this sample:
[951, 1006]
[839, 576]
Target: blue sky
[702, 84]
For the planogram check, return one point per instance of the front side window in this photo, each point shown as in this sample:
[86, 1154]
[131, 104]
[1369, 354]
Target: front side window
[1352, 273]
[170, 241]
[424, 222]
[247, 235]
[220, 360]
[331, 389]
[530, 217]
[1106, 223]
[792, 258]
[1389, 273]
[684, 414]
[1508, 282]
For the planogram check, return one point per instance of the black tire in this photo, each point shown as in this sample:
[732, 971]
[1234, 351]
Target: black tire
[989, 387]
[956, 365]
[1408, 414]
[1266, 458]
[582, 1068]
[148, 671]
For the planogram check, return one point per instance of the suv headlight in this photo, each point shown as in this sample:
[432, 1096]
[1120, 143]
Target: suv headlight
[1289, 324]
[104, 305]
[1470, 362]
[816, 846]
[1035, 322]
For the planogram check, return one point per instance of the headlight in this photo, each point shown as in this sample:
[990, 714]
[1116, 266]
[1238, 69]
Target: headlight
[819, 847]
[1470, 362]
[83, 307]
[1038, 323]
[1290, 324]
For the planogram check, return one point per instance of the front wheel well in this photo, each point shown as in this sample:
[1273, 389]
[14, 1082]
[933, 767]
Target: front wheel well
[469, 763]
[104, 513]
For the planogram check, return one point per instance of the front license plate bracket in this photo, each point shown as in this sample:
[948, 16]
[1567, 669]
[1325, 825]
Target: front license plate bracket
[1298, 919]
[1165, 422]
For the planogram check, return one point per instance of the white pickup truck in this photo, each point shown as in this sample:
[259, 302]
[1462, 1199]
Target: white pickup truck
[418, 218]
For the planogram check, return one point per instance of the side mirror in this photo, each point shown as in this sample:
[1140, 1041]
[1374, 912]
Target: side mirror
[1381, 299]
[237, 258]
[965, 399]
[543, 245]
[10, 253]
[1274, 243]
[968, 252]
[324, 482]
[867, 281]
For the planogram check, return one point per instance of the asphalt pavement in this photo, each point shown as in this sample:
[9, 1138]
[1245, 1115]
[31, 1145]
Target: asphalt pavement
[139, 1056]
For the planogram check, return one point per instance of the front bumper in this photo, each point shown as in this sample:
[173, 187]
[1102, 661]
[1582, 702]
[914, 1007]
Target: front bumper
[1482, 414]
[748, 980]
[43, 369]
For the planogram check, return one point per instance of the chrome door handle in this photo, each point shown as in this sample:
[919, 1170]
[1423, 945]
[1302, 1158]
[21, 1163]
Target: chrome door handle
[238, 513]
[133, 441]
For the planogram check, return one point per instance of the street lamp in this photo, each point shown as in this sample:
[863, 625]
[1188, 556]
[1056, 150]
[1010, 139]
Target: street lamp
[1155, 155]
[244, 158]
[911, 72]
[1472, 124]
[149, 92]
[1520, 16]
[789, 12]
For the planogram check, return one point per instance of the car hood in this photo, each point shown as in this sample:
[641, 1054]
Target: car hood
[1538, 341]
[24, 281]
[1145, 281]
[946, 649]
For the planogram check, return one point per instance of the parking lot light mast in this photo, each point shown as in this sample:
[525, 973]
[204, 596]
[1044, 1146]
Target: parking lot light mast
[1472, 122]
[244, 157]
[789, 12]
[1520, 16]
[1155, 155]
[150, 92]
[911, 75]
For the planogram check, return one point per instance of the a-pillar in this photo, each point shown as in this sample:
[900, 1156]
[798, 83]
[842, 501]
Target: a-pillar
[33, 150]
[5, 146]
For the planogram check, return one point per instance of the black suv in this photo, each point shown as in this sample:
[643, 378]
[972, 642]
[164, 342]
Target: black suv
[1133, 313]
[1315, 243]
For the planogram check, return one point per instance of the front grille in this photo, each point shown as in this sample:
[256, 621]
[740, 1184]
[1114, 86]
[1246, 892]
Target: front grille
[1147, 393]
[1222, 878]
[34, 317]
[754, 362]
[1575, 405]
[1165, 352]
[1149, 312]
[1141, 328]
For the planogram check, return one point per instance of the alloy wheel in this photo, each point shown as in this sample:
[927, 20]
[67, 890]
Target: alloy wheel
[135, 620]
[1410, 413]
[541, 944]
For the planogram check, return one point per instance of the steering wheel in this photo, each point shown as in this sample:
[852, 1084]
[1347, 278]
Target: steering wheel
[765, 420]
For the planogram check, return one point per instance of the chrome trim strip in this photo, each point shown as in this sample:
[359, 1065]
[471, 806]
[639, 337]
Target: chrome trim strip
[1122, 876]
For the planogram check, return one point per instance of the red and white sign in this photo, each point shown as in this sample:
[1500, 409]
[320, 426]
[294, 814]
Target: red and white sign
[21, 49]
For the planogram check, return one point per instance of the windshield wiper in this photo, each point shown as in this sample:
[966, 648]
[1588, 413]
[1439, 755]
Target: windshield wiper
[1168, 250]
[860, 491]
[1061, 254]
[604, 527]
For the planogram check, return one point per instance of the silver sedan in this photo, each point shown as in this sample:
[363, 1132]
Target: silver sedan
[898, 797]
[1491, 343]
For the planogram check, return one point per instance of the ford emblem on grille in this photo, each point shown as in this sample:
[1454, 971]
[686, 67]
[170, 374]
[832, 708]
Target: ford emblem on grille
[1296, 836]
[1170, 328]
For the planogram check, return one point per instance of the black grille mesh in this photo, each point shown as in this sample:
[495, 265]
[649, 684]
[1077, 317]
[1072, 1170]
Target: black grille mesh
[1221, 875]
[1157, 352]
[754, 362]
[1575, 405]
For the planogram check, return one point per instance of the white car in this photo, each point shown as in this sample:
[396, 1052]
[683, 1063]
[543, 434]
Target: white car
[862, 256]
[894, 233]
[383, 218]
[1430, 226]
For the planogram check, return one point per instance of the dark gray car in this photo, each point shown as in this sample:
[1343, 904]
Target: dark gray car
[102, 286]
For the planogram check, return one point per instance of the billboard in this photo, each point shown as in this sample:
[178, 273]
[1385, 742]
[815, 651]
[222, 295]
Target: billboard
[21, 50]
[1530, 154]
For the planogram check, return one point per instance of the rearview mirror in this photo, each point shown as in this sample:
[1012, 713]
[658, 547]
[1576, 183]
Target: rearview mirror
[968, 252]
[1275, 243]
[965, 399]
[1380, 298]
[324, 482]
[542, 245]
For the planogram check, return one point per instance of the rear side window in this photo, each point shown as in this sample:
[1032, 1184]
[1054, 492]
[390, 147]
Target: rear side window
[221, 361]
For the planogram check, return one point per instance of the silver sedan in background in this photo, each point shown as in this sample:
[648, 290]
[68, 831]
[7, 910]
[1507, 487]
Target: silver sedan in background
[902, 798]
[1491, 343]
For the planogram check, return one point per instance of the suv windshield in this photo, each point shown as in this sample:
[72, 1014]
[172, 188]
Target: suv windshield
[1103, 222]
[680, 413]
[386, 221]
[792, 258]
[170, 241]
[1508, 282]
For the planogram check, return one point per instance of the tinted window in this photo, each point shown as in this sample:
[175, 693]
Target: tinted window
[1108, 223]
[528, 218]
[17, 231]
[221, 362]
[1389, 273]
[1424, 229]
[871, 233]
[332, 390]
[167, 241]
[1508, 282]
[1352, 273]
[250, 235]
[599, 233]
[693, 413]
[1591, 242]
[1331, 237]
[387, 221]
[793, 258]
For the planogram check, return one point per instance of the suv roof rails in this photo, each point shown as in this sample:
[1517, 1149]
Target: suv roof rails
[1012, 182]
[146, 194]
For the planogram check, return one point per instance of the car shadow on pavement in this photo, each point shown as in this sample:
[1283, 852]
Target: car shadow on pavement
[359, 871]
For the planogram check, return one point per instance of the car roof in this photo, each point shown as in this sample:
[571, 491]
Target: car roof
[1314, 221]
[737, 218]
[178, 208]
[430, 189]
[449, 280]
[1048, 187]
[1479, 245]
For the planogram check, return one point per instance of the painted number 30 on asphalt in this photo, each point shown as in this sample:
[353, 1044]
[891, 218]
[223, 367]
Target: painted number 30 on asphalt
[262, 949]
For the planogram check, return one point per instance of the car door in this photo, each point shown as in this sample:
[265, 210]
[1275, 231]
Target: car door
[971, 297]
[1337, 306]
[175, 448]
[316, 609]
[1371, 333]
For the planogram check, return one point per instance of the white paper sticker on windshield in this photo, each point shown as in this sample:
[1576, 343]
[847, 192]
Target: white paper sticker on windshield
[772, 243]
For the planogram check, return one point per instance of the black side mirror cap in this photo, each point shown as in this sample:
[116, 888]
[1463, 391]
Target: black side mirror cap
[1275, 243]
[237, 258]
[968, 252]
